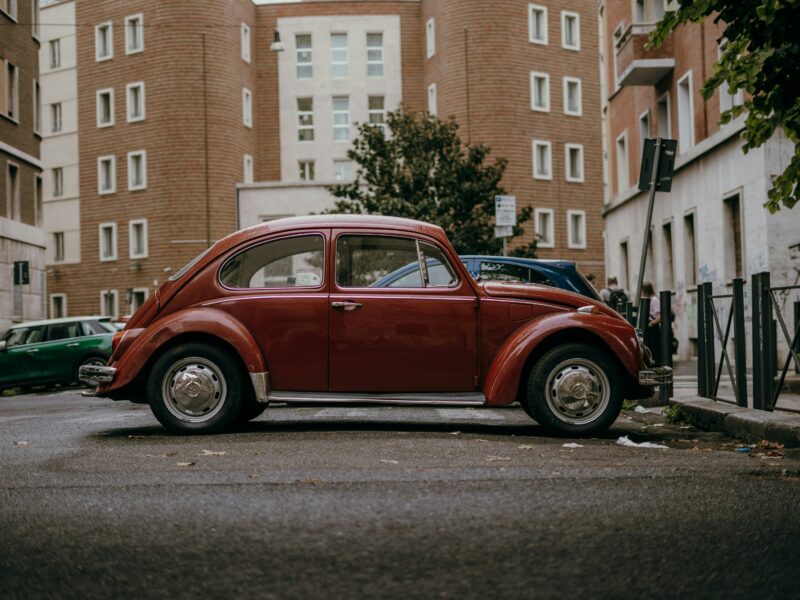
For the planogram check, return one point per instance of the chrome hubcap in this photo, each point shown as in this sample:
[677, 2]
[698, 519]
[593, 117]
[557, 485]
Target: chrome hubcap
[194, 389]
[577, 391]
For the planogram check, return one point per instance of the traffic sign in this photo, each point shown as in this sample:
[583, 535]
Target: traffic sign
[503, 231]
[666, 164]
[505, 211]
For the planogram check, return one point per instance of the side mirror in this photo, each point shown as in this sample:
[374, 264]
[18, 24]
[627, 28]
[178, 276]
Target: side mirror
[2, 345]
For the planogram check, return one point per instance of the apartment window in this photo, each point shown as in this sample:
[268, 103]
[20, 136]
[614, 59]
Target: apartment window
[573, 100]
[306, 170]
[37, 113]
[55, 117]
[9, 7]
[108, 241]
[622, 163]
[663, 116]
[537, 24]
[540, 91]
[618, 30]
[135, 101]
[137, 238]
[727, 100]
[430, 37]
[570, 30]
[109, 303]
[375, 55]
[573, 158]
[377, 111]
[58, 182]
[137, 170]
[37, 199]
[58, 306]
[433, 105]
[305, 119]
[58, 246]
[248, 168]
[543, 219]
[9, 91]
[103, 41]
[35, 18]
[542, 160]
[732, 241]
[245, 42]
[136, 299]
[685, 113]
[105, 107]
[625, 274]
[106, 175]
[247, 107]
[669, 269]
[639, 12]
[343, 170]
[644, 129]
[303, 45]
[134, 34]
[13, 207]
[339, 57]
[689, 252]
[54, 47]
[576, 228]
[341, 118]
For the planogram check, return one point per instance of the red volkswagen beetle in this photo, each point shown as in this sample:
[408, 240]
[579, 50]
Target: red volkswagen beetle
[299, 311]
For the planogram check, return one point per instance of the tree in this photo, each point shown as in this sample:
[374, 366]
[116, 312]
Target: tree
[420, 170]
[762, 58]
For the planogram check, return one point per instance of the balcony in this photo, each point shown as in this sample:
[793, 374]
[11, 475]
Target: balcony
[636, 65]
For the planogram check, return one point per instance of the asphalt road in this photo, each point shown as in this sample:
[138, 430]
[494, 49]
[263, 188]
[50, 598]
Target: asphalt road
[96, 500]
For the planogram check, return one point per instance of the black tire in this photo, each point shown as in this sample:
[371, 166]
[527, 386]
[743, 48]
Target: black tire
[556, 393]
[95, 359]
[197, 388]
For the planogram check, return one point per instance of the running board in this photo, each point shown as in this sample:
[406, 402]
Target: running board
[443, 399]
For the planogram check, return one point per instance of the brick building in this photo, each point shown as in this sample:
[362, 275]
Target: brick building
[712, 227]
[21, 236]
[190, 125]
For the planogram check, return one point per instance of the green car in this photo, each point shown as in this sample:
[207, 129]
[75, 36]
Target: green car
[45, 352]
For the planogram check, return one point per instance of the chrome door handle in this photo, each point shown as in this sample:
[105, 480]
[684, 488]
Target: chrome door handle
[72, 345]
[31, 351]
[346, 305]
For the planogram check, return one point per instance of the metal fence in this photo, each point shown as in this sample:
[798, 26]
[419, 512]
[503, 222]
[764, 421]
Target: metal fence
[766, 315]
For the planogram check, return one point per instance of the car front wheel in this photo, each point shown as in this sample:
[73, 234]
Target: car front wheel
[196, 388]
[574, 389]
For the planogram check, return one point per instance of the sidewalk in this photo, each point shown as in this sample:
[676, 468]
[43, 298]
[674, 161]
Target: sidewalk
[779, 426]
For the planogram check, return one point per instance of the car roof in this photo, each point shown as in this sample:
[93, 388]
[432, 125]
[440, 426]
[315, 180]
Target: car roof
[57, 321]
[546, 262]
[343, 221]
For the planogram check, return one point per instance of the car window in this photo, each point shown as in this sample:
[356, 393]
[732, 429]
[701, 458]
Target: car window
[538, 277]
[24, 335]
[495, 271]
[364, 261]
[289, 262]
[63, 331]
[440, 271]
[97, 327]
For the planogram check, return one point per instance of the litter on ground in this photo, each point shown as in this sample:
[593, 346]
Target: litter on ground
[572, 445]
[626, 441]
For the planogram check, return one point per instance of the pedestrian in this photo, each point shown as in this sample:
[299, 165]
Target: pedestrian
[613, 295]
[652, 333]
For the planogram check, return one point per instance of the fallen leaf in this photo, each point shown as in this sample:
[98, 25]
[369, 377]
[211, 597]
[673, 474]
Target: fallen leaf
[23, 444]
[770, 445]
[455, 433]
[572, 445]
[526, 447]
[212, 453]
[496, 458]
[391, 462]
[771, 454]
[186, 464]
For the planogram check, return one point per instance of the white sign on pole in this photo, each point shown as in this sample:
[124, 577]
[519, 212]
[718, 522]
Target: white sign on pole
[505, 211]
[504, 231]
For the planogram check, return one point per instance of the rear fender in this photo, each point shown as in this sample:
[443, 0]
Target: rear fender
[207, 321]
[616, 336]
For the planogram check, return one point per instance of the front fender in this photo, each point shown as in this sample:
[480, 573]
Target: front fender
[207, 321]
[503, 378]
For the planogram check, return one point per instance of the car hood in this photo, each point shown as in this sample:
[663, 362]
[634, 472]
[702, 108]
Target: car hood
[543, 293]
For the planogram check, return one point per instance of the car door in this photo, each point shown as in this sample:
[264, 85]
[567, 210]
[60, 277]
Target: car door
[19, 363]
[61, 348]
[416, 334]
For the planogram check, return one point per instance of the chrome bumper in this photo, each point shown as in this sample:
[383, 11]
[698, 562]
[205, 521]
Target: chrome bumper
[95, 374]
[655, 376]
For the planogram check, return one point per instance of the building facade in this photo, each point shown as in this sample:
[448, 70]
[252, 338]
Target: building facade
[191, 125]
[712, 226]
[22, 239]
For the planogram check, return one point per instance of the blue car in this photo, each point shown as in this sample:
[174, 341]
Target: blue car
[557, 273]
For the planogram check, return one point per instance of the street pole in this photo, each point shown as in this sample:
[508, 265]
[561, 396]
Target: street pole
[505, 246]
[646, 240]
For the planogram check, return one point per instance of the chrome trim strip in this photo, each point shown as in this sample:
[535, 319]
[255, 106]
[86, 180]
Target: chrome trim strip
[96, 374]
[655, 376]
[261, 386]
[589, 309]
[443, 399]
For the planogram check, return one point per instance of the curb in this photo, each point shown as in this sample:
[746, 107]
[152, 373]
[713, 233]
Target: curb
[743, 423]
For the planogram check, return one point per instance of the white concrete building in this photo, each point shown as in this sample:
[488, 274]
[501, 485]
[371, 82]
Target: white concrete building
[61, 183]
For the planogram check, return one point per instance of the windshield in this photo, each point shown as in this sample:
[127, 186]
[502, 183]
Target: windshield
[190, 264]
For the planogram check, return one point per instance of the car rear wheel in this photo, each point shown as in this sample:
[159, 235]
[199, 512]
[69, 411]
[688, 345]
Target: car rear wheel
[196, 388]
[574, 389]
